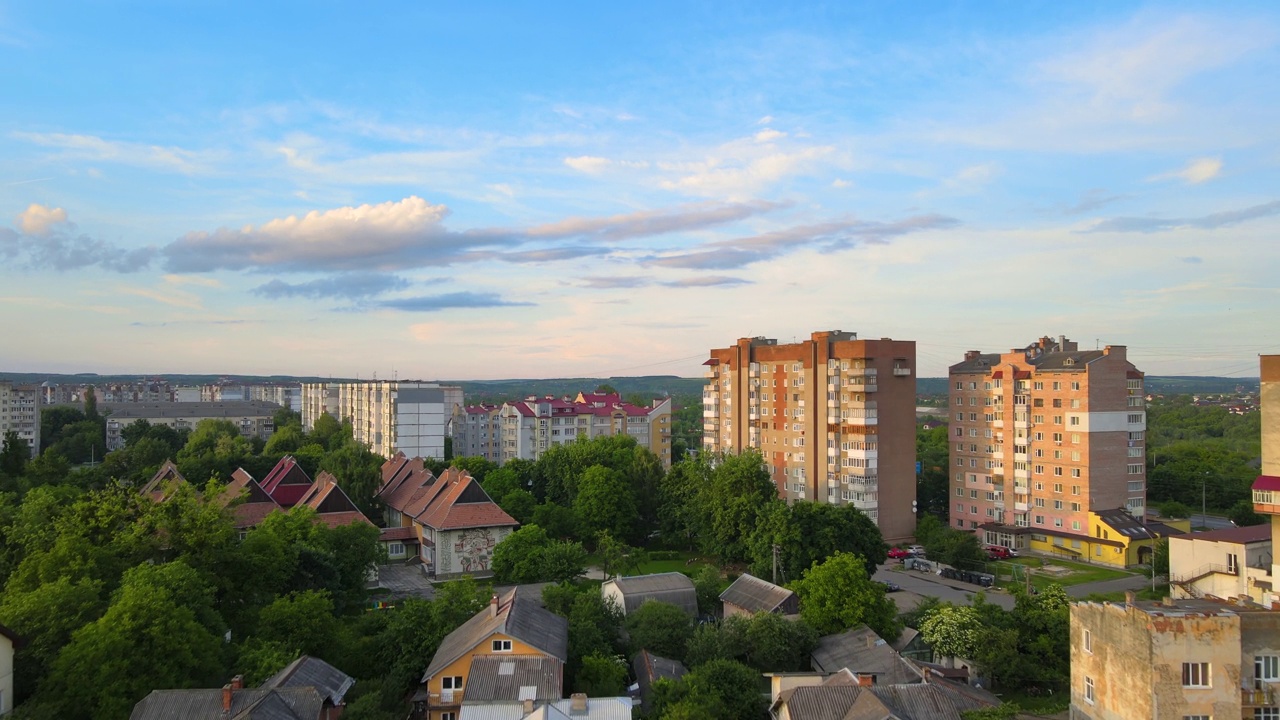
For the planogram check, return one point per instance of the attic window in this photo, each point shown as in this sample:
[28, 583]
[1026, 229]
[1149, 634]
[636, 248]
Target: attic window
[1069, 361]
[501, 646]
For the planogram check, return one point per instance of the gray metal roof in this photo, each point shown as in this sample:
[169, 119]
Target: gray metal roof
[921, 701]
[597, 709]
[818, 702]
[982, 363]
[861, 650]
[671, 587]
[515, 678]
[248, 704]
[755, 595]
[234, 408]
[514, 616]
[307, 671]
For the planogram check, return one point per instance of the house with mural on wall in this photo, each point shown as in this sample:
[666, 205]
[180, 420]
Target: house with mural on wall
[455, 524]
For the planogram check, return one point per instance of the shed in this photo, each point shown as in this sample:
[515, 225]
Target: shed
[632, 592]
[749, 595]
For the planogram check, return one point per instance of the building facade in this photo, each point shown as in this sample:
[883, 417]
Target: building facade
[477, 432]
[1174, 660]
[833, 416]
[1041, 437]
[254, 419]
[528, 428]
[20, 412]
[389, 416]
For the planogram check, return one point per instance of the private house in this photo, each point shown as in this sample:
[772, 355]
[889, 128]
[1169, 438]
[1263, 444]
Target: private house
[332, 505]
[249, 503]
[749, 595]
[9, 644]
[862, 652]
[854, 696]
[632, 592]
[512, 626]
[649, 668]
[163, 483]
[1227, 563]
[511, 686]
[236, 702]
[309, 672]
[287, 482]
[576, 707]
[454, 522]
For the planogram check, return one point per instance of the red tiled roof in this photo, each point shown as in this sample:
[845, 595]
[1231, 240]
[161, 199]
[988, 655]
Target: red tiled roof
[1267, 482]
[249, 515]
[339, 519]
[712, 361]
[398, 533]
[470, 515]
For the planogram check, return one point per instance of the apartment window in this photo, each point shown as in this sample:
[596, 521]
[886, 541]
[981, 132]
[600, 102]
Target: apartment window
[450, 715]
[1075, 472]
[1039, 519]
[959, 385]
[960, 507]
[959, 492]
[973, 510]
[1075, 403]
[1195, 675]
[1135, 469]
[501, 646]
[1039, 469]
[1088, 690]
[1075, 386]
[1262, 713]
[1075, 489]
[1135, 418]
[1088, 641]
[1057, 437]
[395, 549]
[1057, 504]
[1057, 522]
[1057, 419]
[1266, 668]
[1039, 502]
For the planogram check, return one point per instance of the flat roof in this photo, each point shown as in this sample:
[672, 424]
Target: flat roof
[1241, 535]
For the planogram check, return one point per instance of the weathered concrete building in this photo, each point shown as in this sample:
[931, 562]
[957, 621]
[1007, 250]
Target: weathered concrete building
[1174, 660]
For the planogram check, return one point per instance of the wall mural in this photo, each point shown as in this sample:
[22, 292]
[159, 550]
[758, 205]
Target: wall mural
[474, 549]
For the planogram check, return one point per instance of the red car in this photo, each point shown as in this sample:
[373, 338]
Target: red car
[997, 552]
[899, 553]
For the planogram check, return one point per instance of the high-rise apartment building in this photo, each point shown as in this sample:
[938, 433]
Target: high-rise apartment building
[1043, 436]
[833, 416]
[20, 413]
[389, 416]
[477, 432]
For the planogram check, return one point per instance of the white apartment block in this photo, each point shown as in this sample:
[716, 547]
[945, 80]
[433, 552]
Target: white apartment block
[20, 412]
[253, 419]
[528, 428]
[389, 416]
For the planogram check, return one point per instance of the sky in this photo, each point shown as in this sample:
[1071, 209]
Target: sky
[502, 190]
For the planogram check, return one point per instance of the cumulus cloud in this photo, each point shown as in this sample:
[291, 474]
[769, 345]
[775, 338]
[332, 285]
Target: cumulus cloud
[1206, 222]
[46, 240]
[447, 301]
[368, 237]
[1197, 171]
[40, 221]
[344, 285]
[737, 169]
[739, 252]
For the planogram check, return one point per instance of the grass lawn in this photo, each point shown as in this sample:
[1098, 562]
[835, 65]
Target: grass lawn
[1161, 592]
[1038, 704]
[1080, 572]
[681, 563]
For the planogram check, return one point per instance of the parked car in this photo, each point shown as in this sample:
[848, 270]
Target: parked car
[890, 587]
[899, 553]
[998, 552]
[916, 550]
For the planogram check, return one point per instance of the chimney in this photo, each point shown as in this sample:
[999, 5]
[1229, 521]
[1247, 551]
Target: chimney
[1129, 597]
[527, 707]
[226, 698]
[971, 355]
[871, 641]
[493, 605]
[237, 682]
[578, 703]
[865, 679]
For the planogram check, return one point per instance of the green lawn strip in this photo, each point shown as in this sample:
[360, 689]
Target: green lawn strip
[1037, 704]
[1079, 572]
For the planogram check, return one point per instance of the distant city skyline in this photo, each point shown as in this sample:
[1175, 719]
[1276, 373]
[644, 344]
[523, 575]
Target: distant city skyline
[533, 191]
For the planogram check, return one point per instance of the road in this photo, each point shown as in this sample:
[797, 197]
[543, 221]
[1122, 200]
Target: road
[915, 585]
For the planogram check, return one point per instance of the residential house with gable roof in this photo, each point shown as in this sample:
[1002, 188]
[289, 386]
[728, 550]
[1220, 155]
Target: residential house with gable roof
[455, 523]
[856, 696]
[633, 591]
[749, 595]
[163, 483]
[234, 701]
[513, 626]
[249, 503]
[332, 504]
[287, 482]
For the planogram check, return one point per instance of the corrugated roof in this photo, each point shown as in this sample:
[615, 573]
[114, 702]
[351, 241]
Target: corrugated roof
[1241, 535]
[1267, 482]
[819, 702]
[517, 617]
[247, 704]
[597, 709]
[755, 595]
[671, 587]
[861, 650]
[1124, 522]
[311, 672]
[515, 678]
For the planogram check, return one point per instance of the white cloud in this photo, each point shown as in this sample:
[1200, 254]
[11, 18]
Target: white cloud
[839, 183]
[743, 169]
[1197, 171]
[92, 147]
[972, 179]
[769, 135]
[588, 164]
[767, 119]
[40, 221]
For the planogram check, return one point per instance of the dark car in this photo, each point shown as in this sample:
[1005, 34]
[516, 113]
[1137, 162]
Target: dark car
[889, 587]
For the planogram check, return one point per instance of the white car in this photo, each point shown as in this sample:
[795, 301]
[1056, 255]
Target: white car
[917, 550]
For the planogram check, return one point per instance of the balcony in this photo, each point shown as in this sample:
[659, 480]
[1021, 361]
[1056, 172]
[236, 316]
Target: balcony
[1258, 697]
[1021, 490]
[902, 372]
[861, 453]
[1020, 507]
[708, 413]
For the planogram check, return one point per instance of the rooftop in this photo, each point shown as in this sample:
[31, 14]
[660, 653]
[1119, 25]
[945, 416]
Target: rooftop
[248, 408]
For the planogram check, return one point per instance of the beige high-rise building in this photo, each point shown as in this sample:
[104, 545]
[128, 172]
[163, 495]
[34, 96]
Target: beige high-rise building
[1041, 437]
[833, 416]
[20, 413]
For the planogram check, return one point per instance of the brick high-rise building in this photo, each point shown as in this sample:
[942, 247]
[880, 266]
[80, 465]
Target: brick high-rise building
[833, 416]
[1043, 436]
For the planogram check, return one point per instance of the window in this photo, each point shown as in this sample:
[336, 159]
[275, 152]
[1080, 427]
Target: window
[501, 646]
[1075, 472]
[1075, 386]
[1265, 668]
[1088, 690]
[448, 716]
[1088, 641]
[395, 549]
[1195, 675]
[1261, 713]
[1135, 469]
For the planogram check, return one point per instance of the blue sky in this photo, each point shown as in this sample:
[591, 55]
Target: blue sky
[533, 190]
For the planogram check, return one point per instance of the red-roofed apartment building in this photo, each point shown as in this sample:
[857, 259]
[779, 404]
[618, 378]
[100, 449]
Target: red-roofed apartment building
[454, 522]
[530, 427]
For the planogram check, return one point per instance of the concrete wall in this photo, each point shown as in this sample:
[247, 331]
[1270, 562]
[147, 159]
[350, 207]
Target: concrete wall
[1189, 557]
[1270, 370]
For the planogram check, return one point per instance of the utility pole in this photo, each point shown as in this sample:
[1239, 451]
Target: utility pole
[776, 550]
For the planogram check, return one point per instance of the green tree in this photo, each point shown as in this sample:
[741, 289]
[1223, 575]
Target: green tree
[661, 628]
[326, 428]
[558, 520]
[517, 559]
[617, 557]
[806, 532]
[707, 585]
[1174, 509]
[953, 631]
[837, 594]
[780, 645]
[301, 620]
[1242, 514]
[519, 504]
[359, 474]
[933, 488]
[604, 503]
[725, 690]
[601, 676]
[14, 456]
[285, 440]
[732, 502]
[477, 467]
